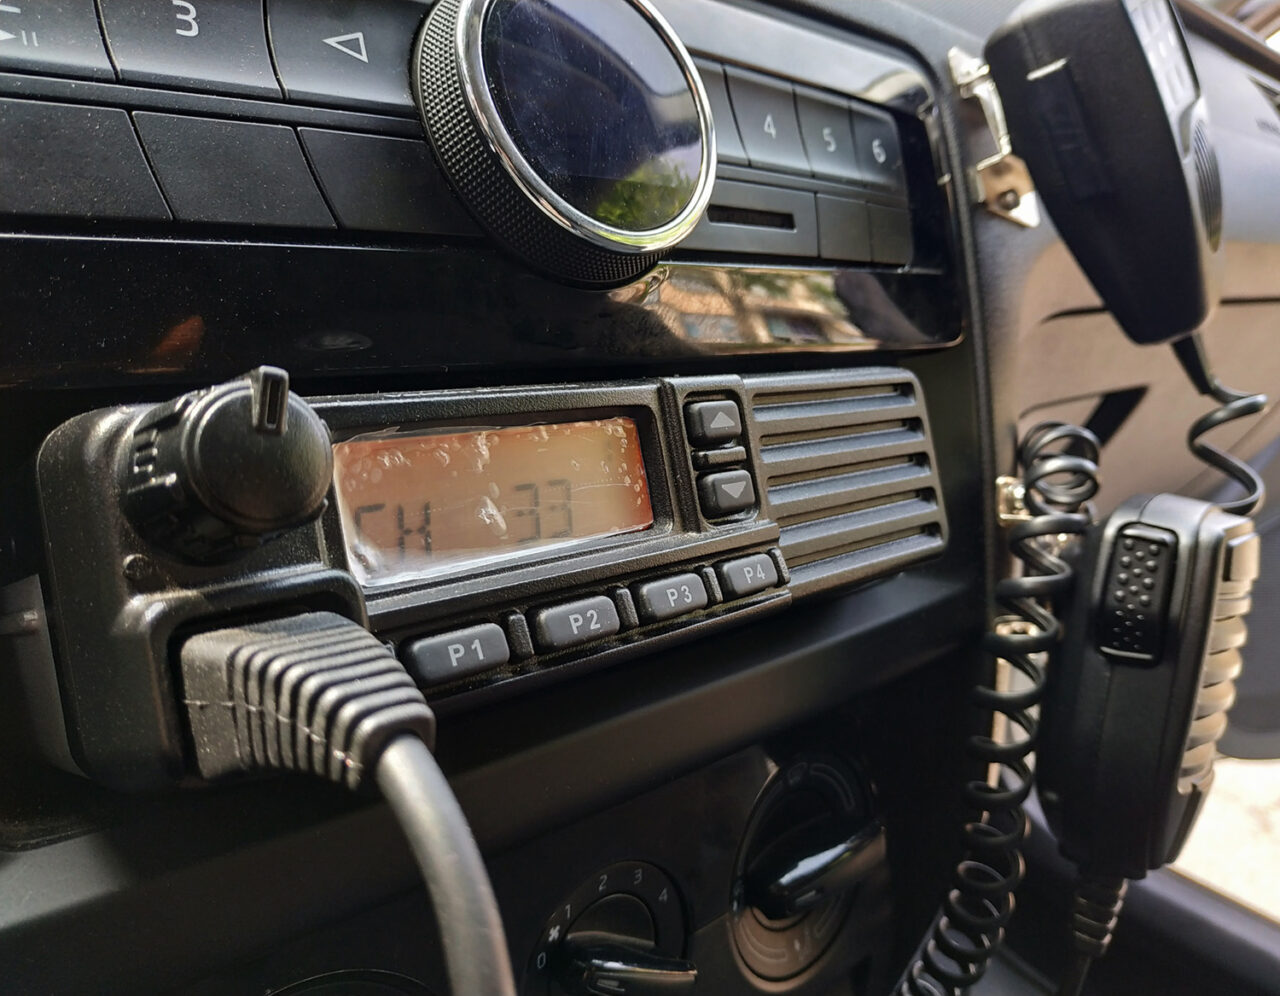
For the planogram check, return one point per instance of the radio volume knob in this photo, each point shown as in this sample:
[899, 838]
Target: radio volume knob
[578, 132]
[215, 473]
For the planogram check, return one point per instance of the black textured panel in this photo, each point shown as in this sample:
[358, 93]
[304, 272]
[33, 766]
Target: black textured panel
[1136, 596]
[482, 182]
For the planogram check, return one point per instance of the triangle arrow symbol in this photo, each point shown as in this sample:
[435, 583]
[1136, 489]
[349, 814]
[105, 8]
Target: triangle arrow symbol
[343, 44]
[723, 421]
[5, 35]
[734, 490]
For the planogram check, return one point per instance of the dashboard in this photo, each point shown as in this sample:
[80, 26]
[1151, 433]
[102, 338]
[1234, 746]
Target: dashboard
[649, 416]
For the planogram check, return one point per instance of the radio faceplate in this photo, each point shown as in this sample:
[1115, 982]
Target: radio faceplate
[710, 555]
[761, 489]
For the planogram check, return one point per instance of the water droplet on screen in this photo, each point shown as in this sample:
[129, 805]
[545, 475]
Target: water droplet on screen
[481, 456]
[488, 513]
[376, 476]
[494, 490]
[441, 455]
[575, 465]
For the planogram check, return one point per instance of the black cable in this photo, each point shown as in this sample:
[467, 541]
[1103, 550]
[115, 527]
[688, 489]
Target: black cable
[1234, 405]
[1077, 972]
[475, 948]
[1060, 476]
[1095, 908]
[318, 694]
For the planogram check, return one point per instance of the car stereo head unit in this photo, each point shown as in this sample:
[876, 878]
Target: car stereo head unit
[420, 190]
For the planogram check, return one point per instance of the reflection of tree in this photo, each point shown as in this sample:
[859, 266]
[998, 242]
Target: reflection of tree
[751, 305]
[651, 196]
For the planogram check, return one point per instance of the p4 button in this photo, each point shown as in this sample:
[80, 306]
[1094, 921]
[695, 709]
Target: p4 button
[748, 576]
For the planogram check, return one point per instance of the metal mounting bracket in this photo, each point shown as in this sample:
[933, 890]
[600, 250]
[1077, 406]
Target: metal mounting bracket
[1001, 180]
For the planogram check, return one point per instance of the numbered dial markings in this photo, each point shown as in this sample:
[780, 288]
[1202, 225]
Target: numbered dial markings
[644, 882]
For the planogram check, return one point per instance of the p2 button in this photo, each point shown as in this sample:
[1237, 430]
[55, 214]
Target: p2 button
[563, 626]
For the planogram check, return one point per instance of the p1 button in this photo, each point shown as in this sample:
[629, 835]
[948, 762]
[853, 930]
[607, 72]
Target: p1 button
[437, 659]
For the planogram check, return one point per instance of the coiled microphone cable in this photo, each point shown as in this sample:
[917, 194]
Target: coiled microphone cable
[1060, 476]
[1234, 405]
[1099, 898]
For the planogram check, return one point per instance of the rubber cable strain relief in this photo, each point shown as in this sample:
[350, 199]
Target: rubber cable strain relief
[315, 693]
[1095, 908]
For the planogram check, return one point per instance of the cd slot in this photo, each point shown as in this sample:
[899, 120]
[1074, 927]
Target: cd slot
[749, 216]
[758, 219]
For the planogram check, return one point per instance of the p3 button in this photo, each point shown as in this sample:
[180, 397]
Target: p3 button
[671, 597]
[564, 626]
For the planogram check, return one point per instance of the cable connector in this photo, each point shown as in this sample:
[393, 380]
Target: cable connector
[313, 693]
[320, 695]
[1095, 909]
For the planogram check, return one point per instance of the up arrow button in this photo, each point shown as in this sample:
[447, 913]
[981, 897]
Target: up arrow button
[713, 423]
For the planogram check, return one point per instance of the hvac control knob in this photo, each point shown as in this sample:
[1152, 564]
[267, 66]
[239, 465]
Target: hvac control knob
[621, 931]
[217, 472]
[577, 131]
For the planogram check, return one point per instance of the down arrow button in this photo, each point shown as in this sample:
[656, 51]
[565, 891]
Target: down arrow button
[726, 494]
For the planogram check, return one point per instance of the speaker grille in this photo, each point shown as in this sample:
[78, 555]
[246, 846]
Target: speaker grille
[1209, 181]
[849, 473]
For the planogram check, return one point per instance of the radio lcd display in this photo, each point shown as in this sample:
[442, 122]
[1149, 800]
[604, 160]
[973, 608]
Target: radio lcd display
[412, 504]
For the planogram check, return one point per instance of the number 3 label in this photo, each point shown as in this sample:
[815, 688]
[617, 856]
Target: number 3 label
[186, 15]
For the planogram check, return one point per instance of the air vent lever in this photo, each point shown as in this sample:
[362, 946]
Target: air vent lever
[787, 885]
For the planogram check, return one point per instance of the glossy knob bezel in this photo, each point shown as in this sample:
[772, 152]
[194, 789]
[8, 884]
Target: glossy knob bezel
[493, 177]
